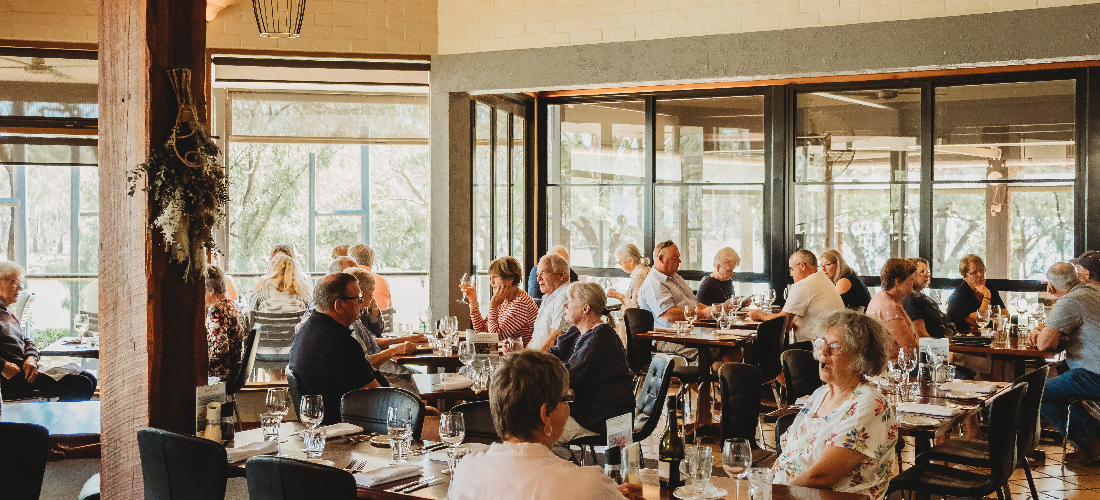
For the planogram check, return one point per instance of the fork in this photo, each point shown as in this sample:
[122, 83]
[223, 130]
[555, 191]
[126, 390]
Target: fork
[351, 465]
[431, 482]
[409, 486]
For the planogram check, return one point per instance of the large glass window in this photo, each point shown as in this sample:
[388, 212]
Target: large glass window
[499, 185]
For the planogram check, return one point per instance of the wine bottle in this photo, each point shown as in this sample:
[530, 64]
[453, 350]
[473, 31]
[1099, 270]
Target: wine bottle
[613, 467]
[671, 451]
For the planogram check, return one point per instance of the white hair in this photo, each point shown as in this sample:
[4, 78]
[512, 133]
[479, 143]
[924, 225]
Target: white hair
[1063, 276]
[589, 293]
[558, 265]
[9, 268]
[727, 257]
[559, 250]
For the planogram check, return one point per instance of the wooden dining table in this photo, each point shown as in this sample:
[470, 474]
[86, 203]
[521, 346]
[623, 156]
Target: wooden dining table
[926, 435]
[341, 451]
[1009, 362]
[65, 346]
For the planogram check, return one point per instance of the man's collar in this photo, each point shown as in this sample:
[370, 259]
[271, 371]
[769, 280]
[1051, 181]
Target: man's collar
[661, 276]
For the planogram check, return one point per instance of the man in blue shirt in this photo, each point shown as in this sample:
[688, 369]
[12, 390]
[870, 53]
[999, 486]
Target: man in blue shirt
[665, 294]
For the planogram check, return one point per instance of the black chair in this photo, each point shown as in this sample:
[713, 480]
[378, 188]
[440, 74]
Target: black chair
[276, 335]
[181, 467]
[276, 478]
[976, 453]
[295, 389]
[800, 370]
[781, 425]
[741, 387]
[368, 408]
[248, 361]
[479, 422]
[23, 462]
[765, 352]
[944, 480]
[638, 352]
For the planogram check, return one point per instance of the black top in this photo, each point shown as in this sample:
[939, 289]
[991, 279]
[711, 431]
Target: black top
[712, 291]
[598, 374]
[920, 306]
[857, 294]
[328, 361]
[533, 283]
[962, 303]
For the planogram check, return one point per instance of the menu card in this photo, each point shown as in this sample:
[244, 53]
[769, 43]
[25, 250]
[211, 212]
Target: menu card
[486, 345]
[620, 430]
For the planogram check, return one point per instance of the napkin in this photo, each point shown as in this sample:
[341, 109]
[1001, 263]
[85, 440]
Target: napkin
[386, 474]
[340, 429]
[441, 455]
[453, 382]
[926, 409]
[970, 386]
[665, 329]
[250, 450]
[736, 333]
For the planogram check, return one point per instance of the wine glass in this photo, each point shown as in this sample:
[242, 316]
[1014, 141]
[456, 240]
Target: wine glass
[737, 459]
[452, 429]
[425, 315]
[80, 324]
[399, 426]
[466, 280]
[313, 410]
[277, 401]
[769, 299]
[690, 314]
[758, 300]
[909, 355]
[466, 353]
[718, 310]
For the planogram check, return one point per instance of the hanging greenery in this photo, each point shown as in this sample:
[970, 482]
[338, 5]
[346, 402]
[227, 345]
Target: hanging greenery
[186, 185]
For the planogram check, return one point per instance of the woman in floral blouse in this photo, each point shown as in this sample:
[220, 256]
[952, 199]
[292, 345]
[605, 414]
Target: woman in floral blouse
[843, 439]
[223, 328]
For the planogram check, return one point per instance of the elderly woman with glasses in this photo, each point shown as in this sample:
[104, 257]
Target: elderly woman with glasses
[512, 311]
[631, 261]
[529, 398]
[972, 295]
[843, 439]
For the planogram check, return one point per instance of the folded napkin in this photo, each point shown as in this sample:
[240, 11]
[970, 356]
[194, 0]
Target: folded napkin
[250, 450]
[340, 429]
[970, 386]
[735, 333]
[665, 329]
[441, 455]
[453, 382]
[926, 409]
[386, 474]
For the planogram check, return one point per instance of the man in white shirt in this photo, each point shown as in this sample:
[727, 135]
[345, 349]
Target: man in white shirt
[812, 295]
[665, 294]
[552, 273]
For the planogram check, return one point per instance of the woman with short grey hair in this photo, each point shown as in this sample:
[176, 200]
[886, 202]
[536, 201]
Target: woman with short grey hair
[843, 439]
[529, 398]
[717, 287]
[631, 261]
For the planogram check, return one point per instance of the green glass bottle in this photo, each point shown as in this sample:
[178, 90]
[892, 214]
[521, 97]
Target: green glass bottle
[671, 451]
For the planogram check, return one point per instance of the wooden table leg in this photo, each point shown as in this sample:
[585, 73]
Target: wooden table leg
[703, 413]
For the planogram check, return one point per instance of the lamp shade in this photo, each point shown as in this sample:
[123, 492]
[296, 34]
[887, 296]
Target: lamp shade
[279, 18]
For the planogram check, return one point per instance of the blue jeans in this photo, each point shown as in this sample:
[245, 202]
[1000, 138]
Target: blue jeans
[1059, 390]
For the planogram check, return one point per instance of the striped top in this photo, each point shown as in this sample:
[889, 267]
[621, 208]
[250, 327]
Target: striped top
[512, 318]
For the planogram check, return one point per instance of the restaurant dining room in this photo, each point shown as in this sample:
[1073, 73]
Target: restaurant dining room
[640, 249]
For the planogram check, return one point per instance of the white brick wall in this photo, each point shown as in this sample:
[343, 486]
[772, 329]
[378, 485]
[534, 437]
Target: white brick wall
[463, 27]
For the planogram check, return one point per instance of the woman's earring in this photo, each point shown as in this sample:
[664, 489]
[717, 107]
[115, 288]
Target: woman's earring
[549, 430]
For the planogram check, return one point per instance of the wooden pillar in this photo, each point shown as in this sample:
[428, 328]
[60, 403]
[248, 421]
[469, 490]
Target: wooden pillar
[153, 353]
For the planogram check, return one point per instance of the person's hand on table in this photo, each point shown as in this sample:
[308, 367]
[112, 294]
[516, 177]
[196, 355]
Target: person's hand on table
[757, 315]
[613, 293]
[9, 370]
[631, 491]
[406, 348]
[30, 369]
[419, 338]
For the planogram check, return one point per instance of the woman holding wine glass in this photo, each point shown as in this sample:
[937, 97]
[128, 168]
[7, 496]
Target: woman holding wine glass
[511, 311]
[843, 439]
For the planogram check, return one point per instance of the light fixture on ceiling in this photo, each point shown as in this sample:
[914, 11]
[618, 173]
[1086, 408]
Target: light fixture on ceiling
[850, 99]
[279, 18]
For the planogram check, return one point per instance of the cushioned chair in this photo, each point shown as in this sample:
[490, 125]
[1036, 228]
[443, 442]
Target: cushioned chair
[479, 422]
[248, 361]
[179, 467]
[295, 389]
[770, 336]
[800, 370]
[23, 461]
[638, 352]
[276, 478]
[976, 453]
[944, 480]
[369, 408]
[781, 425]
[276, 334]
[740, 386]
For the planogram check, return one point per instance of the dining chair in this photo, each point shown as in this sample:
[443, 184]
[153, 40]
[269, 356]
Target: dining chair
[294, 386]
[741, 388]
[248, 361]
[781, 425]
[276, 334]
[368, 408]
[944, 480]
[277, 478]
[800, 370]
[23, 462]
[181, 467]
[479, 422]
[976, 453]
[638, 352]
[766, 350]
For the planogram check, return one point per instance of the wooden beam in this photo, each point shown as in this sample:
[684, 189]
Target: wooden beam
[153, 351]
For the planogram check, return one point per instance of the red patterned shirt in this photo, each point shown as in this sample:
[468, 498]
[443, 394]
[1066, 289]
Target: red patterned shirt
[511, 318]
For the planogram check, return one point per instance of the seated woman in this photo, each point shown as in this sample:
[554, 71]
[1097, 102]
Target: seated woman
[851, 289]
[369, 327]
[528, 398]
[717, 287]
[596, 360]
[631, 261]
[843, 439]
[283, 291]
[922, 309]
[897, 282]
[224, 334]
[511, 311]
[972, 295]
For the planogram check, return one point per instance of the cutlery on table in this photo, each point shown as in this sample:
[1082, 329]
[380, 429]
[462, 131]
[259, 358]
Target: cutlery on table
[351, 466]
[413, 485]
[419, 486]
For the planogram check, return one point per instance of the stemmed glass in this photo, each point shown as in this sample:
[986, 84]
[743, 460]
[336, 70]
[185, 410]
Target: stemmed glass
[769, 298]
[466, 280]
[80, 324]
[896, 372]
[737, 459]
[690, 314]
[399, 425]
[313, 410]
[758, 300]
[908, 356]
[452, 430]
[466, 353]
[1039, 312]
[277, 401]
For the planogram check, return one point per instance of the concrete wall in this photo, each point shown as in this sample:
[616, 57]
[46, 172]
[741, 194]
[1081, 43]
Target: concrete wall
[485, 25]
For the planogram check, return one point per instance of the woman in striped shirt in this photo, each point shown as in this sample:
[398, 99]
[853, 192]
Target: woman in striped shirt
[511, 311]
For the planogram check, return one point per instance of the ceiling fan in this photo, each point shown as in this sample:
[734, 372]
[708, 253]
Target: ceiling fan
[36, 66]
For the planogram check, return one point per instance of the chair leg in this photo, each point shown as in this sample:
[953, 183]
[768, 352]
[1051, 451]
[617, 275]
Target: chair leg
[1030, 481]
[779, 404]
[1065, 435]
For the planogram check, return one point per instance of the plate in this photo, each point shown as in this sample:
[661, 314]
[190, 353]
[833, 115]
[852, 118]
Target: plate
[917, 420]
[965, 395]
[685, 492]
[321, 461]
[382, 441]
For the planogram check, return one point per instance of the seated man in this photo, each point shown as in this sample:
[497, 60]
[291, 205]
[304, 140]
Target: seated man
[665, 294]
[532, 278]
[1074, 325]
[812, 295]
[553, 278]
[19, 356]
[324, 356]
[1088, 267]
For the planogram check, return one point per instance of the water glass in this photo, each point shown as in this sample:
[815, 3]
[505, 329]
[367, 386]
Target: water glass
[760, 483]
[314, 443]
[683, 328]
[452, 430]
[511, 344]
[399, 425]
[277, 401]
[270, 422]
[698, 462]
[912, 391]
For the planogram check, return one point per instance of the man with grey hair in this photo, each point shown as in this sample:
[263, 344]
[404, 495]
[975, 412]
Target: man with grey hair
[364, 257]
[552, 274]
[665, 294]
[1073, 325]
[19, 355]
[340, 263]
[323, 356]
[812, 295]
[533, 288]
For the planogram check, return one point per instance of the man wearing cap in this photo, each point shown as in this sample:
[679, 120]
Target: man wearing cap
[1088, 267]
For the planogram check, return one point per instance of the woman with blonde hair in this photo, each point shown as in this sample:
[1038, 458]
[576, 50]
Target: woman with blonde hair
[631, 261]
[283, 291]
[851, 289]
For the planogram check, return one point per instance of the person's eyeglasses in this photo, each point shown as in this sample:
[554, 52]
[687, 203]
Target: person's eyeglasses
[356, 298]
[977, 271]
[568, 397]
[834, 347]
[18, 283]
